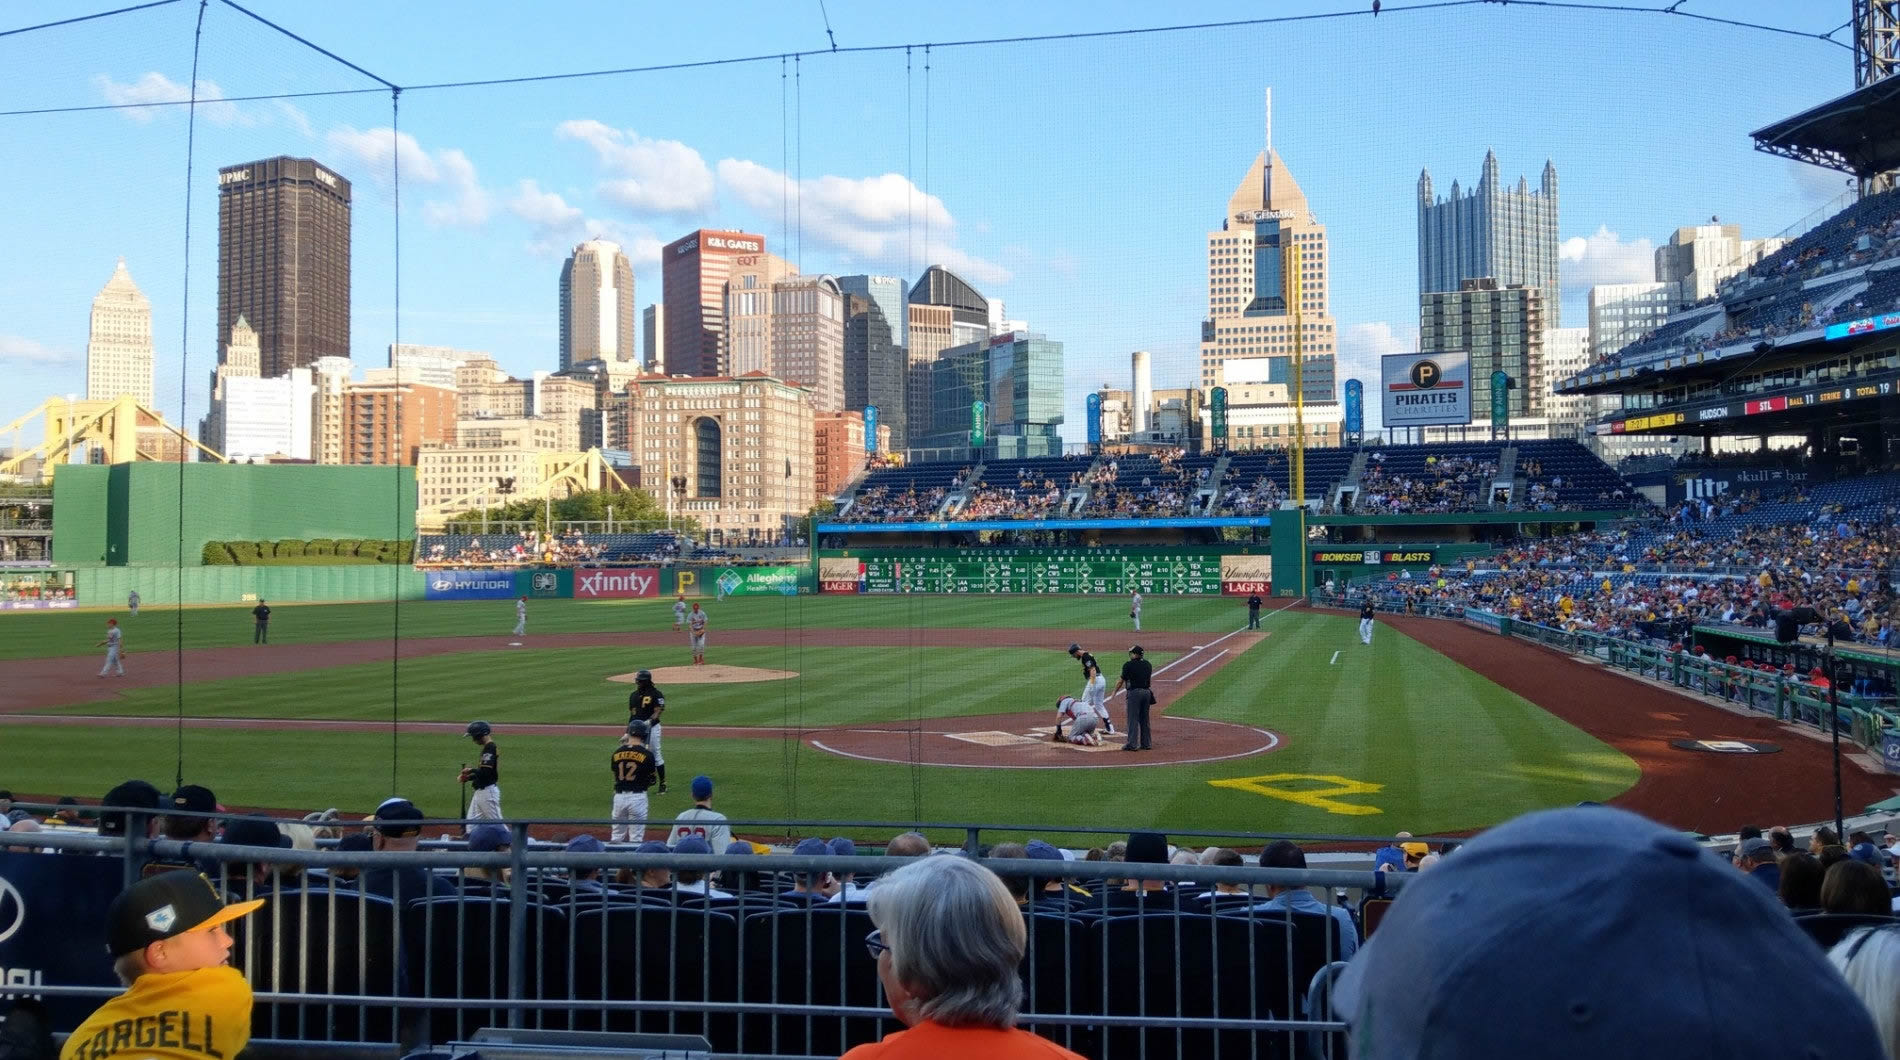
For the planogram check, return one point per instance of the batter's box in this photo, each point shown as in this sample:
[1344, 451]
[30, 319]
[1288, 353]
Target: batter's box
[993, 738]
[1109, 743]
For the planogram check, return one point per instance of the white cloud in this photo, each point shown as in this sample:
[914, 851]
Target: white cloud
[295, 118]
[643, 175]
[882, 218]
[1360, 347]
[154, 87]
[1605, 257]
[380, 151]
[558, 225]
[1816, 185]
[20, 349]
[542, 208]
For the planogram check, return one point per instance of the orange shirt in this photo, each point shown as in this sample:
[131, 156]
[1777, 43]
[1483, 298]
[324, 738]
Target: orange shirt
[929, 1041]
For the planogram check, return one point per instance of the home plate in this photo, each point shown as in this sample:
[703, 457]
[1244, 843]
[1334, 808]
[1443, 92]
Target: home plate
[1109, 743]
[994, 738]
[514, 644]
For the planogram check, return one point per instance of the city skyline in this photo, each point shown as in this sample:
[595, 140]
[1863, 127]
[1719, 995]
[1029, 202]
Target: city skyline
[494, 193]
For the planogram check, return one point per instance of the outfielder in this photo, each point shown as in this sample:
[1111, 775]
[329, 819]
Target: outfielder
[1134, 609]
[112, 644]
[521, 617]
[1365, 619]
[645, 704]
[485, 804]
[679, 612]
[132, 602]
[1087, 727]
[633, 771]
[696, 625]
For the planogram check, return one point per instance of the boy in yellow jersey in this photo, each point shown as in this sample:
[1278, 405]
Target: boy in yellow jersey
[169, 947]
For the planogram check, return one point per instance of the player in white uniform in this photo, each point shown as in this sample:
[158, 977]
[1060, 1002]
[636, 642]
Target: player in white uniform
[521, 617]
[1085, 724]
[1134, 609]
[702, 821]
[132, 602]
[112, 643]
[1095, 694]
[679, 612]
[696, 623]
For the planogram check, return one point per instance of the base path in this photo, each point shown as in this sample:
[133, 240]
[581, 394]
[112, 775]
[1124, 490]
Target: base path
[991, 741]
[1711, 793]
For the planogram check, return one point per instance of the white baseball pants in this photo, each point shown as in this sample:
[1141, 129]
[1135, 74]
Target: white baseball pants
[485, 804]
[629, 816]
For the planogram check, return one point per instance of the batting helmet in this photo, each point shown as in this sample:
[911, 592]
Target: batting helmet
[479, 729]
[644, 676]
[637, 729]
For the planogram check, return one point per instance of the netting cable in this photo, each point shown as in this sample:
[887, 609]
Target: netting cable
[395, 588]
[184, 378]
[86, 18]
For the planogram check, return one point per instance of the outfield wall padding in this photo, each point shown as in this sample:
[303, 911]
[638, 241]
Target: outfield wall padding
[108, 586]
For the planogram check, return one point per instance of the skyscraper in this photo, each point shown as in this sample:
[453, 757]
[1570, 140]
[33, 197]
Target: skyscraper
[875, 368]
[890, 293]
[653, 341]
[808, 338]
[119, 341]
[693, 273]
[1502, 328]
[1505, 234]
[284, 259]
[745, 338]
[1248, 336]
[596, 305]
[239, 358]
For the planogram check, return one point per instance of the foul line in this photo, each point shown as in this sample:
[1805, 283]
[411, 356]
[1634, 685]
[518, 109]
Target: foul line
[1210, 661]
[1335, 661]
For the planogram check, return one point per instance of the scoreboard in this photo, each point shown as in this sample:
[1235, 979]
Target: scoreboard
[1108, 572]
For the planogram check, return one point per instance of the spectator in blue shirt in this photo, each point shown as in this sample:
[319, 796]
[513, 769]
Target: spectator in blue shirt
[1282, 854]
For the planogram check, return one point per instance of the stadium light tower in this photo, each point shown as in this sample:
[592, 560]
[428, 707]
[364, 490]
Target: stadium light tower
[1876, 58]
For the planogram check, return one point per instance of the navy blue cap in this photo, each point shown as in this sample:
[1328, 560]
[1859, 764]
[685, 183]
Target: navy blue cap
[586, 844]
[653, 846]
[488, 838]
[738, 846]
[812, 848]
[842, 847]
[1040, 850]
[692, 844]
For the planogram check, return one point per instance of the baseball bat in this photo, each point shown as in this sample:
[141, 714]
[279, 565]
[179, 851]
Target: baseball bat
[462, 801]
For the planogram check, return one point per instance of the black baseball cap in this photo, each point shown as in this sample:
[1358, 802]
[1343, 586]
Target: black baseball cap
[194, 799]
[1147, 848]
[133, 795]
[1136, 650]
[401, 816]
[166, 905]
[1073, 648]
[253, 832]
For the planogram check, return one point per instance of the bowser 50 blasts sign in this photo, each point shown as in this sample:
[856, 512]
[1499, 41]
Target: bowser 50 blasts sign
[616, 584]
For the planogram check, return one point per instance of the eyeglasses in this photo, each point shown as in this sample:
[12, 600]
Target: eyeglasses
[874, 943]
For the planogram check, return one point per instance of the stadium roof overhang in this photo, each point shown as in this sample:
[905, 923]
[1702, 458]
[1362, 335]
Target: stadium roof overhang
[1855, 133]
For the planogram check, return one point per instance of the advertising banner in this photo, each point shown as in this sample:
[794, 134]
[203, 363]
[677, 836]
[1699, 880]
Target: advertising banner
[756, 581]
[1355, 407]
[626, 584]
[470, 585]
[555, 584]
[1217, 403]
[1425, 389]
[978, 423]
[1246, 575]
[1371, 557]
[870, 428]
[1093, 405]
[840, 574]
[36, 605]
[1500, 399]
[1487, 621]
[1890, 750]
[53, 927]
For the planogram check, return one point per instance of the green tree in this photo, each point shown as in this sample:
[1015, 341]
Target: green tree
[632, 507]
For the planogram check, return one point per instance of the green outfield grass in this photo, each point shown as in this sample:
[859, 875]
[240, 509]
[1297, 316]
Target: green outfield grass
[1384, 738]
[41, 634]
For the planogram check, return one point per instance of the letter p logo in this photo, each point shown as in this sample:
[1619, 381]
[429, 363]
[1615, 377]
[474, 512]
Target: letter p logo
[1426, 374]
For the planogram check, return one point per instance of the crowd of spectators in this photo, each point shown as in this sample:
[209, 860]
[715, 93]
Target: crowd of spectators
[1447, 484]
[34, 589]
[1027, 498]
[1262, 497]
[1165, 488]
[881, 504]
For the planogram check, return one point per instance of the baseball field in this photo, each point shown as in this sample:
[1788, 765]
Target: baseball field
[902, 708]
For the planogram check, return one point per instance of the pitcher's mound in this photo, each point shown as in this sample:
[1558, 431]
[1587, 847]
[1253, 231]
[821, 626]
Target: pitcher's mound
[710, 674]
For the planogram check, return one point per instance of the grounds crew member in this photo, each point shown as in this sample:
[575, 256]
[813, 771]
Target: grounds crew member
[645, 704]
[485, 775]
[1253, 611]
[261, 635]
[183, 1001]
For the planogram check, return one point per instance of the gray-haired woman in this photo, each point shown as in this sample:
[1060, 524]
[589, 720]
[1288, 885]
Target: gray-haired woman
[948, 943]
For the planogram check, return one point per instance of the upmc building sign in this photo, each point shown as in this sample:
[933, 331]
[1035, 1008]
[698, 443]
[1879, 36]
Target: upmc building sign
[616, 584]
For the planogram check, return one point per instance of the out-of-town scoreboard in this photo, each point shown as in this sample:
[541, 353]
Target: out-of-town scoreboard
[1105, 571]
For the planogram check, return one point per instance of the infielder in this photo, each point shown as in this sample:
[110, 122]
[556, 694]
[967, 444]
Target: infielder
[696, 625]
[633, 770]
[1365, 619]
[1087, 727]
[132, 602]
[645, 704]
[485, 804]
[521, 617]
[1134, 609]
[679, 612]
[112, 644]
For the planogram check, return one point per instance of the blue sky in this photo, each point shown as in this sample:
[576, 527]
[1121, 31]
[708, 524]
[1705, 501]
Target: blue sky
[1075, 180]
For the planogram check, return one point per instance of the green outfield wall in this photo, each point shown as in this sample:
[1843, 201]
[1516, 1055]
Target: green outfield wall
[139, 515]
[108, 586]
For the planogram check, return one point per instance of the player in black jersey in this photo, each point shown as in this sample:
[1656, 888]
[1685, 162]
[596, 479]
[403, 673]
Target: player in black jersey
[485, 804]
[1087, 660]
[646, 704]
[633, 770]
[1365, 619]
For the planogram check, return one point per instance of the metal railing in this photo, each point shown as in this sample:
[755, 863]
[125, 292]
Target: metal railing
[429, 945]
